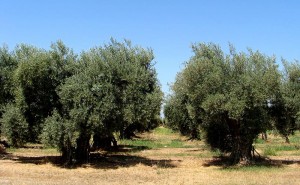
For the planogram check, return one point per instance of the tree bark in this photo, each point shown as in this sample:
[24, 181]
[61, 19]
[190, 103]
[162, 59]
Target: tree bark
[82, 151]
[241, 152]
[67, 152]
[241, 144]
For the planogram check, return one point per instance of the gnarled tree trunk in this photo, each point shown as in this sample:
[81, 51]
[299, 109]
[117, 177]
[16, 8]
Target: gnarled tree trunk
[241, 144]
[82, 151]
[67, 152]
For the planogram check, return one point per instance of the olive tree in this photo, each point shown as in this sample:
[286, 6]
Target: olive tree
[227, 96]
[111, 90]
[286, 110]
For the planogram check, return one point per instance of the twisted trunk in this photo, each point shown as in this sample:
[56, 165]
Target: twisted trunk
[241, 144]
[82, 151]
[67, 152]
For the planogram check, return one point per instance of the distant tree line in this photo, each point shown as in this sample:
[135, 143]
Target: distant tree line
[231, 98]
[77, 102]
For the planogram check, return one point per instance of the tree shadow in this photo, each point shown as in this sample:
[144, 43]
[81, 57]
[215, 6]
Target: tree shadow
[225, 162]
[117, 158]
[38, 160]
[128, 148]
[114, 161]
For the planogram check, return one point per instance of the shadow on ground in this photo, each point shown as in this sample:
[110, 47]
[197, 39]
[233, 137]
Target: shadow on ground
[129, 148]
[118, 158]
[225, 162]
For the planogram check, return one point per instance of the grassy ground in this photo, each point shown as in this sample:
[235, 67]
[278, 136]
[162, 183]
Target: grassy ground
[159, 157]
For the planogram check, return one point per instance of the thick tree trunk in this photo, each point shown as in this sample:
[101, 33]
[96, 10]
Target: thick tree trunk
[195, 134]
[122, 133]
[121, 129]
[67, 152]
[82, 151]
[241, 152]
[241, 145]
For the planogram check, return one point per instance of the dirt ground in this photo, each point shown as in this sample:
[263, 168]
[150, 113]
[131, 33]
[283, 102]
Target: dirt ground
[190, 165]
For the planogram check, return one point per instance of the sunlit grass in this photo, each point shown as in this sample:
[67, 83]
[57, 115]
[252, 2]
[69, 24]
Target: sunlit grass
[141, 142]
[251, 168]
[259, 141]
[276, 145]
[164, 138]
[175, 143]
[30, 148]
[295, 138]
[163, 131]
[269, 151]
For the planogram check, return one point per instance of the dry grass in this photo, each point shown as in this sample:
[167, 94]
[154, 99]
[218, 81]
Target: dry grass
[162, 165]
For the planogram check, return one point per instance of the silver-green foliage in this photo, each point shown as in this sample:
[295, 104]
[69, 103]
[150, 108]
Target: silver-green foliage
[113, 87]
[37, 76]
[226, 96]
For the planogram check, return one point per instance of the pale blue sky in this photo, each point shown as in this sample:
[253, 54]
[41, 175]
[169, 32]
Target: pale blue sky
[169, 27]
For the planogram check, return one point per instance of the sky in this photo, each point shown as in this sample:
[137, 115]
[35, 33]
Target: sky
[169, 27]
